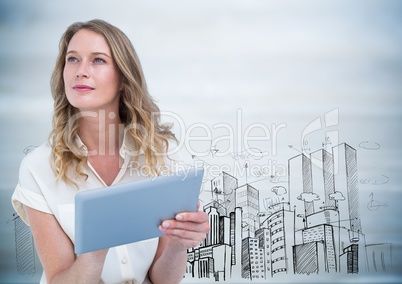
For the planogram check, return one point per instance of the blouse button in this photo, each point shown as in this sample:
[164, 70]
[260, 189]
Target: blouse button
[123, 260]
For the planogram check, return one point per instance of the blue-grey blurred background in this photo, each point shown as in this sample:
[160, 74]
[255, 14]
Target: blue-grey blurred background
[276, 61]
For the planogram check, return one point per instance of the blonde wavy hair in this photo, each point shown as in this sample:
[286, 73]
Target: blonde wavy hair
[137, 109]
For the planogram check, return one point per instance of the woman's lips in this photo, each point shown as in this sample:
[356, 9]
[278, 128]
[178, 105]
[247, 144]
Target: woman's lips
[82, 88]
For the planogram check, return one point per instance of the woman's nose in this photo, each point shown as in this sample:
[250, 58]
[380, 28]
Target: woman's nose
[83, 70]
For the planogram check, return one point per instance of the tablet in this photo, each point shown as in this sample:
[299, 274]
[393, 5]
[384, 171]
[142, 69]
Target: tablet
[130, 212]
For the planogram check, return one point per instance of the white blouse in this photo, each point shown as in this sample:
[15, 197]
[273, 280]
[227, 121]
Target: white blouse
[37, 188]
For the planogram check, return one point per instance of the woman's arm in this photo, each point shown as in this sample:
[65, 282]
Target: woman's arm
[56, 252]
[186, 231]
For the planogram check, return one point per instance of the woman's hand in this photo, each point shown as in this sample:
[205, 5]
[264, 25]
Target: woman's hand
[187, 230]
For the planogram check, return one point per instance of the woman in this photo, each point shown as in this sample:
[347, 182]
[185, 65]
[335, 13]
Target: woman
[106, 130]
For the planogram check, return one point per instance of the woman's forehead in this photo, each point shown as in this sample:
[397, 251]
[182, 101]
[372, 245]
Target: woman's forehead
[87, 41]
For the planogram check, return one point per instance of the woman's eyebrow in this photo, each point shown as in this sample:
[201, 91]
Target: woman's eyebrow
[100, 53]
[93, 53]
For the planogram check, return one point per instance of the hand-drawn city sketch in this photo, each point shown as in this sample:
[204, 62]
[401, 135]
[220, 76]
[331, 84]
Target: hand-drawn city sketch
[310, 224]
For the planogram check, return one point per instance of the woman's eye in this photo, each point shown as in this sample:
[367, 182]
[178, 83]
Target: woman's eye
[72, 59]
[99, 60]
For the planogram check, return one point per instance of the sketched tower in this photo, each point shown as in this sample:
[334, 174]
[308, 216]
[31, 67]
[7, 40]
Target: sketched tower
[300, 181]
[236, 241]
[24, 247]
[247, 198]
[223, 189]
[345, 166]
[213, 236]
[346, 183]
[323, 177]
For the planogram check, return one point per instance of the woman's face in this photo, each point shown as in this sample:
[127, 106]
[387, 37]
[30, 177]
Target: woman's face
[91, 78]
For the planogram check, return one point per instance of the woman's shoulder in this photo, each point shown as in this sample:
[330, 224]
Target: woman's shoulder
[37, 156]
[35, 171]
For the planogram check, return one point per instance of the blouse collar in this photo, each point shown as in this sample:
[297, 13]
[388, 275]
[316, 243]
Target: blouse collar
[126, 149]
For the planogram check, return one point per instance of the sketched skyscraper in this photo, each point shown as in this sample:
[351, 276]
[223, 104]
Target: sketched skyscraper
[24, 247]
[236, 241]
[247, 198]
[223, 189]
[212, 237]
[346, 183]
[300, 181]
[322, 170]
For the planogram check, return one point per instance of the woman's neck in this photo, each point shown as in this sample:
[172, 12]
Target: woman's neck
[101, 132]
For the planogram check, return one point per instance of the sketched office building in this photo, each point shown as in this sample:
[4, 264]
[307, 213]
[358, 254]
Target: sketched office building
[280, 229]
